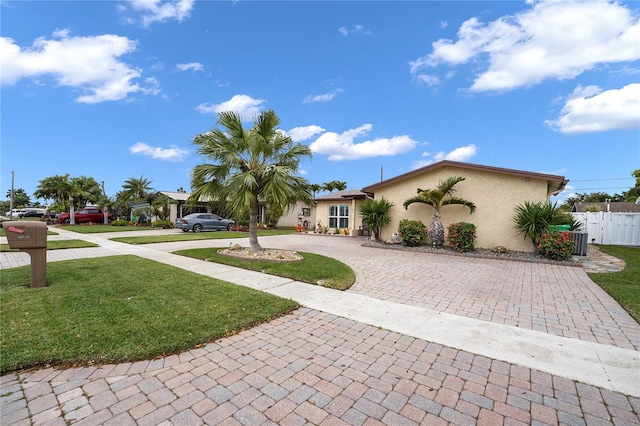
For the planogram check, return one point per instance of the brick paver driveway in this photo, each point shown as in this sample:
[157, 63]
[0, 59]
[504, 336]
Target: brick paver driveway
[314, 368]
[556, 299]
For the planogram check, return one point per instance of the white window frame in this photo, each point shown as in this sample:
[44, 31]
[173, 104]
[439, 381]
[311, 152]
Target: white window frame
[338, 216]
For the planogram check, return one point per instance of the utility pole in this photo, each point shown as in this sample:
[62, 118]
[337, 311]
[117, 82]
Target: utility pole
[11, 200]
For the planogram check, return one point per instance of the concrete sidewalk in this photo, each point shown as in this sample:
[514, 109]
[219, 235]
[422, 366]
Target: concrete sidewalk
[346, 358]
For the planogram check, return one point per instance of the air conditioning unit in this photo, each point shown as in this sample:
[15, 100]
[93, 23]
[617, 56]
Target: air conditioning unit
[580, 240]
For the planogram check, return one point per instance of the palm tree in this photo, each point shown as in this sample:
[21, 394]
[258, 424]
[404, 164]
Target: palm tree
[333, 185]
[136, 189]
[437, 198]
[375, 213]
[314, 188]
[250, 165]
[53, 188]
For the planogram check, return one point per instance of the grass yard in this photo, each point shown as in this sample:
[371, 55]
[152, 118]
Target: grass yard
[57, 245]
[98, 228]
[624, 286]
[120, 308]
[314, 268]
[192, 236]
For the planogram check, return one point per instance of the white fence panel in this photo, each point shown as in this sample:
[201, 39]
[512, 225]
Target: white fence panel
[621, 229]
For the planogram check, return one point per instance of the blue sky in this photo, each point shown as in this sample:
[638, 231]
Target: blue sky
[118, 89]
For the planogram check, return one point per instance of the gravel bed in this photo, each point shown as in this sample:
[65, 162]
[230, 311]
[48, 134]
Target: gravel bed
[481, 253]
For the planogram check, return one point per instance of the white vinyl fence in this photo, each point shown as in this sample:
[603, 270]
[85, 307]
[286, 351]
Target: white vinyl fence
[620, 229]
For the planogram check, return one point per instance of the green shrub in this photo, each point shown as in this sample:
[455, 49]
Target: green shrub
[462, 236]
[412, 232]
[163, 224]
[120, 222]
[556, 245]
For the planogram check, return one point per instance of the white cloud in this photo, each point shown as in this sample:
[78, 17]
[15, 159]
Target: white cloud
[356, 29]
[244, 105]
[165, 154]
[342, 147]
[88, 64]
[162, 10]
[193, 66]
[461, 154]
[298, 134]
[429, 80]
[550, 40]
[325, 97]
[593, 110]
[444, 24]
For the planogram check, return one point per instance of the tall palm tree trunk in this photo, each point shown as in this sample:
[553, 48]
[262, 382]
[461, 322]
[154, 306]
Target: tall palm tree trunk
[254, 212]
[436, 230]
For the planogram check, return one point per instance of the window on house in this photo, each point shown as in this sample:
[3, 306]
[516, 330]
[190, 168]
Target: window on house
[339, 216]
[306, 211]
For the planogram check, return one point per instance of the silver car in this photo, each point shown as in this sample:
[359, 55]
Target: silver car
[198, 222]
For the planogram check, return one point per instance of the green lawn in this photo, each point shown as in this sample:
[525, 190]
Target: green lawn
[191, 236]
[624, 286]
[120, 308]
[98, 229]
[57, 245]
[314, 269]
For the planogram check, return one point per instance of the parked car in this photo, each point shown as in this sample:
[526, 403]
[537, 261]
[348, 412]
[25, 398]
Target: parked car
[88, 214]
[32, 213]
[198, 222]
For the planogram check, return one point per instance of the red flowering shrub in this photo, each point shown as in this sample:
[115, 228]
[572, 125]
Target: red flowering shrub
[556, 246]
[462, 236]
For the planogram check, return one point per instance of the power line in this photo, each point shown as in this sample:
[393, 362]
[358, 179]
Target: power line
[598, 180]
[592, 189]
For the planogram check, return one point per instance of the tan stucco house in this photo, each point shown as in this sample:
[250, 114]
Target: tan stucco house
[495, 191]
[339, 211]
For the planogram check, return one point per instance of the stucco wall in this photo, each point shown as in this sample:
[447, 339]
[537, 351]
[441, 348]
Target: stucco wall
[294, 217]
[322, 213]
[495, 195]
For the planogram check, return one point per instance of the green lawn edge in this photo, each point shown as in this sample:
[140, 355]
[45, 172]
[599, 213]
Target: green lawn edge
[118, 309]
[56, 245]
[623, 286]
[191, 236]
[313, 269]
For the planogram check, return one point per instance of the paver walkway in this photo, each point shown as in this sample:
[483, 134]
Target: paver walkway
[314, 367]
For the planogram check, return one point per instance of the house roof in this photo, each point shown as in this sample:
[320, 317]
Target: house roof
[555, 183]
[618, 207]
[342, 195]
[182, 196]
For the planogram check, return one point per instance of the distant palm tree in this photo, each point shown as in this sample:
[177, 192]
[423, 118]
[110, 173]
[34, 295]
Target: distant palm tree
[250, 165]
[136, 189]
[333, 185]
[437, 198]
[314, 188]
[53, 188]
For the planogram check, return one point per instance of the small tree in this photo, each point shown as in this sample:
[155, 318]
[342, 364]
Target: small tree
[376, 214]
[437, 198]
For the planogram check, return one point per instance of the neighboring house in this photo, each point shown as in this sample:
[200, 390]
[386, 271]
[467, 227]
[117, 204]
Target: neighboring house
[495, 191]
[339, 210]
[298, 215]
[295, 216]
[606, 207]
[179, 207]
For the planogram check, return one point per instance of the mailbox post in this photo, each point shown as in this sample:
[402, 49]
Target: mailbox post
[30, 237]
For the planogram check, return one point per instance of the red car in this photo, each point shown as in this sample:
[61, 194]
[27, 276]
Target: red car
[88, 214]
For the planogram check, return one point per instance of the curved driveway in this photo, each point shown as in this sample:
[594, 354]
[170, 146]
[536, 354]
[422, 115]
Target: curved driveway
[556, 299]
